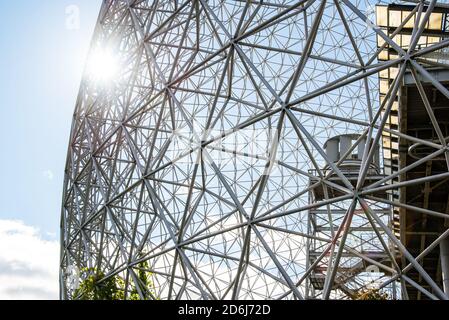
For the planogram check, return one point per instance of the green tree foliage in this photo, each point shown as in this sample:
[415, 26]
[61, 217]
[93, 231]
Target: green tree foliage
[93, 288]
[146, 285]
[371, 294]
[94, 285]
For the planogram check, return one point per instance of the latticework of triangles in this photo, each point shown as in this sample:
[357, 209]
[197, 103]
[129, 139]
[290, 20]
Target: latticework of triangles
[198, 156]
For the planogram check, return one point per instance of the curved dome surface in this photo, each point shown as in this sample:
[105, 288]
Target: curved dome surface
[197, 151]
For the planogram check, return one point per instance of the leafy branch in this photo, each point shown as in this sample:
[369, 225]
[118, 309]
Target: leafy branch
[96, 286]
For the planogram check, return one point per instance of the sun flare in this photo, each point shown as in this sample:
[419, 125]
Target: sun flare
[102, 66]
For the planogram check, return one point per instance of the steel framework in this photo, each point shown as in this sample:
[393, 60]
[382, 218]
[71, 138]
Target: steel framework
[198, 156]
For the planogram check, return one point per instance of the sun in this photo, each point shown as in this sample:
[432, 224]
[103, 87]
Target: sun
[102, 66]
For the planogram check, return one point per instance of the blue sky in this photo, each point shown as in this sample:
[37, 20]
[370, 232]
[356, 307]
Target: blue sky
[41, 62]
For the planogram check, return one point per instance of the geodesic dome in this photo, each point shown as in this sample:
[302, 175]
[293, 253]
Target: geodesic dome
[200, 147]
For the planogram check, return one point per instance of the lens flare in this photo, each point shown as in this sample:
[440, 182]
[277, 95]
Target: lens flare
[102, 66]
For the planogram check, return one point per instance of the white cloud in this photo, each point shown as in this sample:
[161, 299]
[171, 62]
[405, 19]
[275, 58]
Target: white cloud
[28, 264]
[51, 235]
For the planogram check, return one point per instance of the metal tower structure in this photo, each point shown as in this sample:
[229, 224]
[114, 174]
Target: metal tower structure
[351, 271]
[201, 145]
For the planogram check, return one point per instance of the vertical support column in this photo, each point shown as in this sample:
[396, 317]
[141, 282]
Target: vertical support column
[376, 158]
[361, 149]
[332, 150]
[444, 255]
[345, 144]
